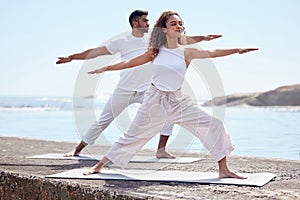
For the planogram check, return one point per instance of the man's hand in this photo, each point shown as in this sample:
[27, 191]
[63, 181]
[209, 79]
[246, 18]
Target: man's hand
[62, 60]
[211, 37]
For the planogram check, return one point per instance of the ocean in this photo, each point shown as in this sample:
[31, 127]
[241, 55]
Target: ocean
[272, 132]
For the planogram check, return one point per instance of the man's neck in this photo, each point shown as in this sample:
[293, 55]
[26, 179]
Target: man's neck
[137, 33]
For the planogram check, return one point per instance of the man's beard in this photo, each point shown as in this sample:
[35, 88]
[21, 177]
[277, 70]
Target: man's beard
[143, 29]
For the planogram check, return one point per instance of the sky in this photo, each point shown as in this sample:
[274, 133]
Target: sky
[34, 33]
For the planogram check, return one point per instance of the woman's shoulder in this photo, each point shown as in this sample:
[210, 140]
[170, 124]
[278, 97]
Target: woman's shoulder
[189, 50]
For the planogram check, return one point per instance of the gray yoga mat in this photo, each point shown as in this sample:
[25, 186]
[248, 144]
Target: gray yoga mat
[146, 159]
[253, 179]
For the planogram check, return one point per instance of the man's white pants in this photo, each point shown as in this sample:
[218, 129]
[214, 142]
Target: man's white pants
[161, 108]
[119, 101]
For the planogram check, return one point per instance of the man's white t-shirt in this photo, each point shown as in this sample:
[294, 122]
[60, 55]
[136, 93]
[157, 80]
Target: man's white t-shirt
[136, 78]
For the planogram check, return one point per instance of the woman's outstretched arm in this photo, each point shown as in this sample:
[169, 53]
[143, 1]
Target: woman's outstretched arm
[194, 53]
[137, 61]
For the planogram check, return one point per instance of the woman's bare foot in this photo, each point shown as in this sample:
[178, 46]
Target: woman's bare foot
[97, 168]
[161, 153]
[229, 174]
[224, 172]
[93, 170]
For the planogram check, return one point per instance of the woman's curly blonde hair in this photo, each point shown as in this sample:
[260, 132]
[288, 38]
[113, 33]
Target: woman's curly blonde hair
[158, 37]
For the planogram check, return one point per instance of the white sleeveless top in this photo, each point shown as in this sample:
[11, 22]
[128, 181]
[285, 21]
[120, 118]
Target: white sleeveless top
[169, 69]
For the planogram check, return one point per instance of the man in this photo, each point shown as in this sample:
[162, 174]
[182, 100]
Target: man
[133, 82]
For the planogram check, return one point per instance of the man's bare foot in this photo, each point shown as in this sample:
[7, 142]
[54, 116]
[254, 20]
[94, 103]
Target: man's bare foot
[71, 154]
[77, 150]
[163, 154]
[229, 174]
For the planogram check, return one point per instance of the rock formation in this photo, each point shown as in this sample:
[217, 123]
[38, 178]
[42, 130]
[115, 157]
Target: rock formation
[282, 96]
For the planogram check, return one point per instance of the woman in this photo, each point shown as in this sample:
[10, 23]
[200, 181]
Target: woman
[164, 104]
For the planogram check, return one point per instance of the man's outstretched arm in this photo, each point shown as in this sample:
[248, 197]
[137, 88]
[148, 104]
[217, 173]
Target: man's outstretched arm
[199, 38]
[88, 54]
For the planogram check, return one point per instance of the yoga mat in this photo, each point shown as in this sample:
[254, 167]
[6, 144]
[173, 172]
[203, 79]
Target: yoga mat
[146, 159]
[253, 179]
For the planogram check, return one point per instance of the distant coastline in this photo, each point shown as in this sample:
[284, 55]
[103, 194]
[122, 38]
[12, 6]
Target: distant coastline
[281, 96]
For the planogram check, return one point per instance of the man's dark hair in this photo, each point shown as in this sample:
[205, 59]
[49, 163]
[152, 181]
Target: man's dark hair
[135, 15]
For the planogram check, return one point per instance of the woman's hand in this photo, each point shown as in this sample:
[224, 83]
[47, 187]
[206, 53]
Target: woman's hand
[211, 37]
[98, 71]
[241, 51]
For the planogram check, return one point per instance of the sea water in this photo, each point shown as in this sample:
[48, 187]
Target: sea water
[272, 132]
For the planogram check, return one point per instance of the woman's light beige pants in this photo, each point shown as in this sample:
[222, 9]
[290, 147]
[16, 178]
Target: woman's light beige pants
[161, 109]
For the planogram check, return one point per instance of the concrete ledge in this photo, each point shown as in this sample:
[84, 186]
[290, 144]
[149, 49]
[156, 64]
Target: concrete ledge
[16, 186]
[22, 178]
